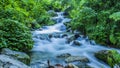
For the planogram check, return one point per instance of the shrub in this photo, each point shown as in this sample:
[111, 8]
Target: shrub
[15, 35]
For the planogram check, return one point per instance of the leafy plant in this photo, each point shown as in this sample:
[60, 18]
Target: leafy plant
[15, 35]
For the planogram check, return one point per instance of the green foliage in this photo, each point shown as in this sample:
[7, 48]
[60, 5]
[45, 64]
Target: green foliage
[113, 58]
[26, 11]
[115, 16]
[86, 16]
[17, 17]
[99, 19]
[15, 35]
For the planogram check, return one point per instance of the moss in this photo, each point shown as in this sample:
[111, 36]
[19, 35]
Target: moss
[111, 57]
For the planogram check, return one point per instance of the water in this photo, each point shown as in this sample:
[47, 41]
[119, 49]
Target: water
[44, 50]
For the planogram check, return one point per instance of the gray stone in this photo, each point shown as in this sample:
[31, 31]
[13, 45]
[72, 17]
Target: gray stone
[64, 35]
[56, 35]
[83, 65]
[64, 55]
[23, 57]
[76, 58]
[38, 65]
[43, 37]
[9, 62]
[70, 39]
[76, 43]
[71, 66]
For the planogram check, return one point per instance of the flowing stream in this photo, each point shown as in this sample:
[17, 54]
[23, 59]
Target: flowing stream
[47, 48]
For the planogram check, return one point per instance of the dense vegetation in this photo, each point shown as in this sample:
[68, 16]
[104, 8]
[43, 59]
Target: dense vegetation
[17, 18]
[98, 19]
[111, 57]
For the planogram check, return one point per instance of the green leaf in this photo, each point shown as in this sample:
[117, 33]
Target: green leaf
[112, 39]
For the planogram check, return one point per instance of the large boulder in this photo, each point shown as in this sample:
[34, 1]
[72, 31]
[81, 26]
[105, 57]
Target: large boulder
[111, 57]
[9, 62]
[76, 58]
[23, 57]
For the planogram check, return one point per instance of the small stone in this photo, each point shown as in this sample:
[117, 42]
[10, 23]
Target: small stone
[71, 66]
[64, 35]
[58, 66]
[76, 42]
[92, 42]
[70, 39]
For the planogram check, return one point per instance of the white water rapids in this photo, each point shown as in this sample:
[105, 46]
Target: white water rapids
[49, 49]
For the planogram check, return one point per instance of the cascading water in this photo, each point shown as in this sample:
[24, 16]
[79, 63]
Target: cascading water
[47, 48]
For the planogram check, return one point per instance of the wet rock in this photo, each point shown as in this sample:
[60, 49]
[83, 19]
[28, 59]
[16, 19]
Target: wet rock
[102, 55]
[70, 39]
[69, 30]
[80, 38]
[117, 65]
[76, 43]
[76, 34]
[9, 62]
[76, 58]
[44, 27]
[64, 35]
[71, 66]
[108, 56]
[38, 65]
[63, 28]
[52, 13]
[64, 55]
[83, 65]
[92, 42]
[40, 29]
[23, 57]
[42, 37]
[50, 36]
[58, 66]
[56, 35]
[66, 13]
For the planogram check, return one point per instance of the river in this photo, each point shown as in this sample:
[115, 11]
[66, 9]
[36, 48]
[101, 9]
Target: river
[47, 47]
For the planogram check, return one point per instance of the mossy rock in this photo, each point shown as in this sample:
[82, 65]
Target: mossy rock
[21, 56]
[111, 57]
